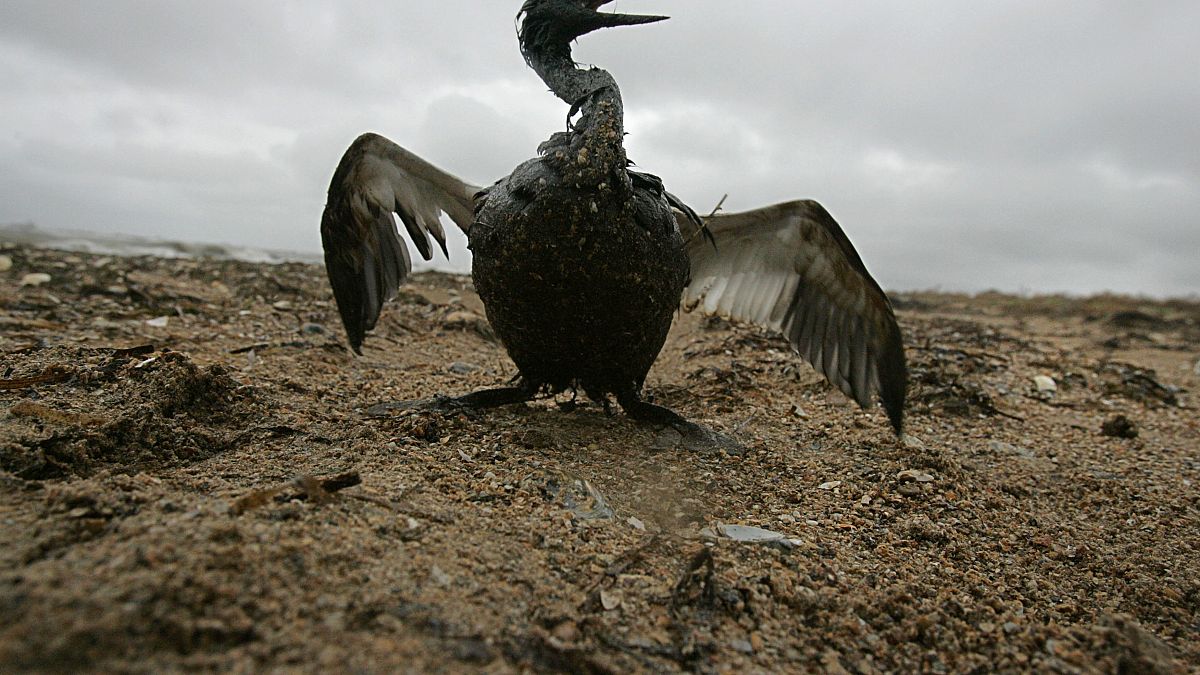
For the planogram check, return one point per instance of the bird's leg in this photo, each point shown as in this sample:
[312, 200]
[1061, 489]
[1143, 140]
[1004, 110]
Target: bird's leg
[476, 400]
[694, 437]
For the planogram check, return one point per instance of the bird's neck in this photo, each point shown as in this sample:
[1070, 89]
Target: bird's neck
[597, 138]
[569, 82]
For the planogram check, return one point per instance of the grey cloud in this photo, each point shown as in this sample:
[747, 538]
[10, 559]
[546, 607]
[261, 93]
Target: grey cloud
[1012, 144]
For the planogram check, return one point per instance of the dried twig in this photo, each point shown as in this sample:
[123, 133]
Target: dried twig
[51, 375]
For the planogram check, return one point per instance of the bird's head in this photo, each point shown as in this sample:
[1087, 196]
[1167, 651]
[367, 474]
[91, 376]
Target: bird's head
[550, 25]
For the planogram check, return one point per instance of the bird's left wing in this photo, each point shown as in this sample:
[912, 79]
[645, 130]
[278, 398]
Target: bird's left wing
[364, 257]
[790, 268]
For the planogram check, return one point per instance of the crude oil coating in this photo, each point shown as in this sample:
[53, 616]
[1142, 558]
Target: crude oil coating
[580, 271]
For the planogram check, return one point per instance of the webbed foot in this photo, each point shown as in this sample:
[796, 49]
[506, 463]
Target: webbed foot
[679, 432]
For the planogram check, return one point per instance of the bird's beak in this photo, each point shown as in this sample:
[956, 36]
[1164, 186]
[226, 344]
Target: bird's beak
[611, 20]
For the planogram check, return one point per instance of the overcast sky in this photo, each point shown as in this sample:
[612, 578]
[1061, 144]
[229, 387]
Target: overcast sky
[1022, 145]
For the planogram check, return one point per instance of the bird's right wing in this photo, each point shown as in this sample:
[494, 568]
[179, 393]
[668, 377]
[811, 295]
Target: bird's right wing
[790, 268]
[364, 257]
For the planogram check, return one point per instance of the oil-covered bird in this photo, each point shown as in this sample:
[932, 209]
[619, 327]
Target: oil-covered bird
[582, 262]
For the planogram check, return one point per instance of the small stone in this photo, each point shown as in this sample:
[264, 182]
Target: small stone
[439, 577]
[913, 475]
[35, 279]
[1010, 449]
[636, 523]
[462, 319]
[1196, 368]
[909, 489]
[912, 442]
[566, 632]
[313, 329]
[1045, 384]
[160, 322]
[756, 641]
[283, 305]
[743, 646]
[831, 485]
[610, 600]
[460, 368]
[6, 263]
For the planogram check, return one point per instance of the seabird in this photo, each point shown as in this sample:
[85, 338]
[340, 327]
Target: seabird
[581, 262]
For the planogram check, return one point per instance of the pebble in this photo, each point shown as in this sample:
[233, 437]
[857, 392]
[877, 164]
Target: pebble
[5, 263]
[1196, 368]
[35, 279]
[831, 485]
[160, 322]
[756, 641]
[911, 475]
[743, 646]
[636, 523]
[609, 600]
[1045, 384]
[566, 632]
[439, 577]
[1010, 449]
[462, 319]
[282, 305]
[313, 329]
[460, 368]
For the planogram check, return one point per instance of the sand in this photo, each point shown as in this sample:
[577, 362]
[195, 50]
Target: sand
[192, 478]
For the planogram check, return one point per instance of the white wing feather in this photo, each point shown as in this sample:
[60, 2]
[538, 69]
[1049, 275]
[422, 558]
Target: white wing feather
[790, 268]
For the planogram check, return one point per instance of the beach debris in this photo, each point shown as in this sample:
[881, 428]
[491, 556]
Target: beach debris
[303, 488]
[749, 534]
[1136, 319]
[35, 279]
[1138, 384]
[1119, 426]
[699, 575]
[51, 375]
[577, 495]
